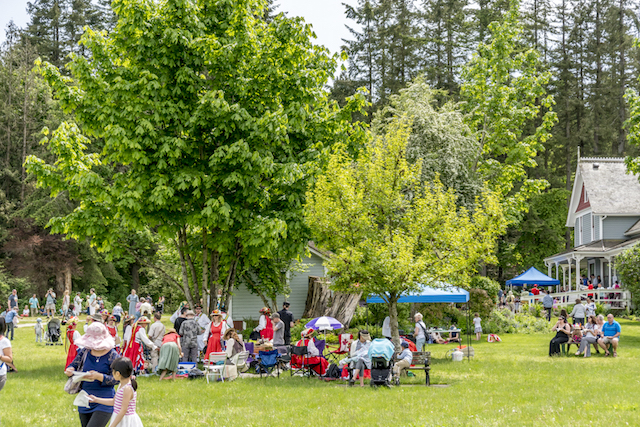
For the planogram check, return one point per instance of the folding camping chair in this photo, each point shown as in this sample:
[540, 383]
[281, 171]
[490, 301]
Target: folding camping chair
[214, 367]
[344, 348]
[267, 362]
[305, 368]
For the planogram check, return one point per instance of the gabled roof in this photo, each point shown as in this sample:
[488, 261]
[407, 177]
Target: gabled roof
[325, 255]
[633, 230]
[611, 191]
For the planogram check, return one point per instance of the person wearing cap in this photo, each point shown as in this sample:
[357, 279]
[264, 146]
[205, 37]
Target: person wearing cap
[287, 319]
[214, 332]
[203, 321]
[265, 327]
[318, 364]
[135, 337]
[96, 356]
[278, 330]
[404, 359]
[189, 337]
[72, 337]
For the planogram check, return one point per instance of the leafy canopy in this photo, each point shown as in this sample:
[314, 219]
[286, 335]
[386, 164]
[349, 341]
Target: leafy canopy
[193, 117]
[504, 92]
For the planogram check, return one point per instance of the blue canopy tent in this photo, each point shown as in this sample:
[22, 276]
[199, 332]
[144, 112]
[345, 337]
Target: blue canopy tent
[533, 277]
[450, 294]
[446, 294]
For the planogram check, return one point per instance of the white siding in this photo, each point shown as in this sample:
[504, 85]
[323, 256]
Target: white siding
[247, 305]
[615, 226]
[576, 230]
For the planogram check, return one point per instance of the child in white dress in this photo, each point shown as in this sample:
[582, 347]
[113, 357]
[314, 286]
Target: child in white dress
[39, 329]
[124, 403]
[477, 326]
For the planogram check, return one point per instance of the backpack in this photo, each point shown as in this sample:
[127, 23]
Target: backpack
[332, 371]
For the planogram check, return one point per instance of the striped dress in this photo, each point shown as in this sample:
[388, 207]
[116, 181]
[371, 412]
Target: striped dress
[131, 419]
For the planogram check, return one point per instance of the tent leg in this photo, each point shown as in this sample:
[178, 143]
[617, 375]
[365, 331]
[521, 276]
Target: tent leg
[468, 335]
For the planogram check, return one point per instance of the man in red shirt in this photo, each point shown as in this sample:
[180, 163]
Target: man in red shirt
[535, 290]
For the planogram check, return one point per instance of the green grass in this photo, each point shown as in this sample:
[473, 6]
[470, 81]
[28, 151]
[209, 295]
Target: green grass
[513, 383]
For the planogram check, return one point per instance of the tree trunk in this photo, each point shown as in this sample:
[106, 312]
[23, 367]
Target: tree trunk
[135, 275]
[322, 302]
[185, 275]
[393, 321]
[24, 134]
[67, 280]
[205, 266]
[622, 136]
[215, 277]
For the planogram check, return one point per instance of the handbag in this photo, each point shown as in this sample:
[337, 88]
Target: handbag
[254, 335]
[71, 387]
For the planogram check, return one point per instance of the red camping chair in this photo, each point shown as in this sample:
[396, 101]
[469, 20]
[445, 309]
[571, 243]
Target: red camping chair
[344, 348]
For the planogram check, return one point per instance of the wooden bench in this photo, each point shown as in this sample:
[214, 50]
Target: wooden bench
[421, 362]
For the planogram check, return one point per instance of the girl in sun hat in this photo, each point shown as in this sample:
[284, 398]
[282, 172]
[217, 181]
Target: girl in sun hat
[96, 356]
[72, 336]
[265, 327]
[214, 332]
[318, 364]
[133, 348]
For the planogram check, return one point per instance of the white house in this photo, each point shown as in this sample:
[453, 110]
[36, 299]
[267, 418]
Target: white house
[245, 305]
[604, 212]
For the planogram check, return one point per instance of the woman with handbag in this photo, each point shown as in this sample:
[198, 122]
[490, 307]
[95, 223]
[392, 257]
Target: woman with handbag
[94, 360]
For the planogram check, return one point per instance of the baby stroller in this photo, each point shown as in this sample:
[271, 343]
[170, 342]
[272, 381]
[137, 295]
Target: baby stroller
[53, 332]
[381, 354]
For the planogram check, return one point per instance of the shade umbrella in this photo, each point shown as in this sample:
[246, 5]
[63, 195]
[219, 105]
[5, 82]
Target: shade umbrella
[324, 323]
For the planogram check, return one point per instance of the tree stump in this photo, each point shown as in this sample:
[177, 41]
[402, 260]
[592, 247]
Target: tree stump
[322, 301]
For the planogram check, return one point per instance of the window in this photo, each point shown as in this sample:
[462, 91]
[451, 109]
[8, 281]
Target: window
[593, 228]
[586, 196]
[580, 222]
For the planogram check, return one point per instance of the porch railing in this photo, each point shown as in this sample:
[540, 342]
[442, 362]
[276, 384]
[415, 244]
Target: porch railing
[611, 298]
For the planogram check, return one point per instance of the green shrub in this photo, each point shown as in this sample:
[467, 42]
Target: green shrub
[490, 286]
[504, 321]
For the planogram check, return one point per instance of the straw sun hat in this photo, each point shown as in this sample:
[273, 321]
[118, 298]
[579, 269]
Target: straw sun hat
[97, 338]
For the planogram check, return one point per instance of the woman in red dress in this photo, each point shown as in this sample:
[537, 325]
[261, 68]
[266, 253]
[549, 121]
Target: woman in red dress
[314, 359]
[72, 336]
[217, 328]
[265, 327]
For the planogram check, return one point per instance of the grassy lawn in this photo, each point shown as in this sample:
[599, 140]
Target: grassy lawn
[513, 383]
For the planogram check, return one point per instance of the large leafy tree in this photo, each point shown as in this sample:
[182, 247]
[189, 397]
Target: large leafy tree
[504, 91]
[389, 232]
[200, 121]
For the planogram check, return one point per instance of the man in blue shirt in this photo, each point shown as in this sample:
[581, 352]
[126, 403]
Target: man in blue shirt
[9, 319]
[611, 332]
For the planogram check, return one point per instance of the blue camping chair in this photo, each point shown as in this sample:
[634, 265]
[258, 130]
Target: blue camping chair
[267, 362]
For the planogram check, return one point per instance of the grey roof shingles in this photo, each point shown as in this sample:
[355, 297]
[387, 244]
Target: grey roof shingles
[610, 189]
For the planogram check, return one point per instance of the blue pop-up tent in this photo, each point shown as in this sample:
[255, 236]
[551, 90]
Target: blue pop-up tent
[428, 294]
[446, 294]
[533, 277]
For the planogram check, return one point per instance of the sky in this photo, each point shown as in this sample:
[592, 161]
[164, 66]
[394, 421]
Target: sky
[326, 16]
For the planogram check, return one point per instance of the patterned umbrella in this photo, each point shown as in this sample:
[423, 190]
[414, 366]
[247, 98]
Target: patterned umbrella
[324, 323]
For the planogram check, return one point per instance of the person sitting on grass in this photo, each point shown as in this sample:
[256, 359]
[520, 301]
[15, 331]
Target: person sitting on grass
[437, 338]
[404, 360]
[454, 336]
[611, 335]
[563, 330]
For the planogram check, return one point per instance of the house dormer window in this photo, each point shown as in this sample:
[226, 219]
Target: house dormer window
[586, 196]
